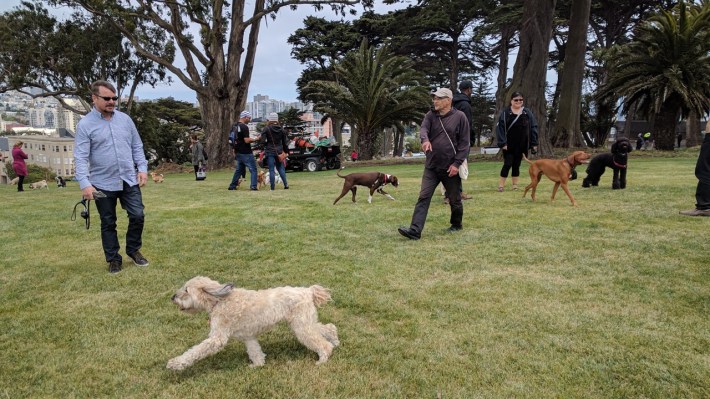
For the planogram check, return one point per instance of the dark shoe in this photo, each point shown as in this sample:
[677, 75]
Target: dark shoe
[254, 189]
[696, 212]
[114, 266]
[286, 188]
[409, 233]
[138, 259]
[231, 188]
[453, 229]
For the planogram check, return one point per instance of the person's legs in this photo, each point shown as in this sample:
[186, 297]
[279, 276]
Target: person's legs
[196, 169]
[271, 159]
[429, 182]
[132, 201]
[507, 164]
[19, 183]
[282, 172]
[107, 213]
[235, 178]
[452, 185]
[702, 196]
[251, 164]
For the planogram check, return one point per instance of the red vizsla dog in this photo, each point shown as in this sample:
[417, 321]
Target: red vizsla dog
[557, 170]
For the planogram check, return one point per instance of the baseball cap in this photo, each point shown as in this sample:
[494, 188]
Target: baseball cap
[465, 84]
[442, 92]
[245, 114]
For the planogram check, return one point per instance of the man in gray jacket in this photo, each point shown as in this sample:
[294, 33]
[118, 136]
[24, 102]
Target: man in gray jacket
[445, 140]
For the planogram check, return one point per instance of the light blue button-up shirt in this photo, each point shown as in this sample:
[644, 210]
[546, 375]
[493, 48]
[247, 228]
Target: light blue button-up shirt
[107, 152]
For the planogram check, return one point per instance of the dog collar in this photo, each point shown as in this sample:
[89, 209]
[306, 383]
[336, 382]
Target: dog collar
[618, 165]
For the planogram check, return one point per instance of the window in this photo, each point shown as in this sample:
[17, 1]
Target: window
[43, 149]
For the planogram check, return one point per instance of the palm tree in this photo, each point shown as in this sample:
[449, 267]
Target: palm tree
[372, 90]
[664, 70]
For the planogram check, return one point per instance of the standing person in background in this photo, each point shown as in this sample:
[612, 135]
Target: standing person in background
[445, 138]
[702, 172]
[462, 102]
[108, 154]
[18, 164]
[275, 143]
[516, 134]
[198, 155]
[243, 153]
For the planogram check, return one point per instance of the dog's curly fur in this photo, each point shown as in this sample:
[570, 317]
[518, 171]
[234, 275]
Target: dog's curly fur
[617, 160]
[244, 314]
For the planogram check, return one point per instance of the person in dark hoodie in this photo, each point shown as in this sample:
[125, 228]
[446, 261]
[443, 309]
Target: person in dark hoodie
[275, 142]
[462, 102]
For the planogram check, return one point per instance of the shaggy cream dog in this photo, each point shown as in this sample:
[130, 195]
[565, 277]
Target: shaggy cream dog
[244, 314]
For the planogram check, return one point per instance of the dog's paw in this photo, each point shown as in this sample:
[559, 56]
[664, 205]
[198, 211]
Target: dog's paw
[176, 364]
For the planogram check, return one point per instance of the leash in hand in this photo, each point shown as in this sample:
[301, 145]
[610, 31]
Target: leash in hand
[86, 213]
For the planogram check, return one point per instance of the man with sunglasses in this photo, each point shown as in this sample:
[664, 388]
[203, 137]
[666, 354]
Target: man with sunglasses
[109, 157]
[445, 136]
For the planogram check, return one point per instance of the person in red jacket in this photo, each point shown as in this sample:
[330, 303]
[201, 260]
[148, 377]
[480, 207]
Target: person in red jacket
[18, 164]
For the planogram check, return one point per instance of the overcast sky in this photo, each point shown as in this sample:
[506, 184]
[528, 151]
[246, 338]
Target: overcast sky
[275, 72]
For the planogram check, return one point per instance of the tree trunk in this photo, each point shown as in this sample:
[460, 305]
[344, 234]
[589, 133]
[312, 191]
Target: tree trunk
[529, 76]
[664, 123]
[365, 144]
[567, 130]
[692, 130]
[218, 116]
[506, 35]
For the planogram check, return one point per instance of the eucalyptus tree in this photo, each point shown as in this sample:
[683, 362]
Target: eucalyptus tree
[165, 127]
[372, 90]
[530, 70]
[217, 40]
[611, 23]
[663, 71]
[62, 58]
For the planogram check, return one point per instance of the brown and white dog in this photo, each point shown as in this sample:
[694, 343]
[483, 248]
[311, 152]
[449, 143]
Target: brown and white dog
[40, 184]
[375, 181]
[260, 179]
[157, 178]
[557, 170]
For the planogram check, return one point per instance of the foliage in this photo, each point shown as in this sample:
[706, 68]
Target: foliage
[373, 90]
[483, 105]
[64, 58]
[663, 71]
[34, 173]
[609, 300]
[291, 117]
[165, 127]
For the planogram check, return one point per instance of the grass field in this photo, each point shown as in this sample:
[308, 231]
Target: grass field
[610, 299]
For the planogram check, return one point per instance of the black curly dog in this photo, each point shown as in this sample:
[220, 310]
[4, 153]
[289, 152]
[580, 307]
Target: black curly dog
[617, 160]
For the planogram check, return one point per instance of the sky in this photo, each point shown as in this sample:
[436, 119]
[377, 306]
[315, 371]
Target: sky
[275, 72]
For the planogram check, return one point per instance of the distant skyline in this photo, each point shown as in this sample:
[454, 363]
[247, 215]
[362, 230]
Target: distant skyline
[275, 72]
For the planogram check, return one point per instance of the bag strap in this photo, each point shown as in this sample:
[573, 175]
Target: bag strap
[448, 137]
[273, 142]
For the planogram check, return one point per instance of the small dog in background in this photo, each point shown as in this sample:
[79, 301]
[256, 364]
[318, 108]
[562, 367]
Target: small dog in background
[15, 181]
[39, 185]
[375, 181]
[157, 178]
[277, 178]
[244, 314]
[60, 182]
[261, 179]
[617, 160]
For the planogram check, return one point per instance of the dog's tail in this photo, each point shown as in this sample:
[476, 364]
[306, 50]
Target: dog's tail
[320, 295]
[526, 159]
[339, 172]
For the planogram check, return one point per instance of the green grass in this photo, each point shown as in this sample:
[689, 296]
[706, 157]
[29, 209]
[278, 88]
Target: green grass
[531, 300]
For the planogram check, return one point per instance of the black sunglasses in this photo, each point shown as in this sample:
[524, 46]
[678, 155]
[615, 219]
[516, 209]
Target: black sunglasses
[114, 98]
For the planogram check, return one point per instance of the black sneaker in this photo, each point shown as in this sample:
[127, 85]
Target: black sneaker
[453, 229]
[409, 233]
[114, 266]
[138, 259]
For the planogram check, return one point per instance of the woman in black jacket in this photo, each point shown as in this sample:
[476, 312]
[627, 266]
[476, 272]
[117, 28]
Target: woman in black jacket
[275, 142]
[516, 134]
